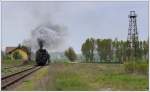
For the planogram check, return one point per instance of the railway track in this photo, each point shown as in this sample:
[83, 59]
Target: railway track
[14, 78]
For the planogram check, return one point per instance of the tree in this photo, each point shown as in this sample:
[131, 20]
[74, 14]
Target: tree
[84, 50]
[116, 51]
[2, 55]
[99, 49]
[104, 49]
[70, 54]
[88, 49]
[139, 52]
[145, 49]
[125, 52]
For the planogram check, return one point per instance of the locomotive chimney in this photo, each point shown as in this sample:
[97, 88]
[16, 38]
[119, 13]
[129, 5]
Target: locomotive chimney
[40, 42]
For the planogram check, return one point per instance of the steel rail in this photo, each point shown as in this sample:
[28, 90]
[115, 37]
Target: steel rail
[13, 78]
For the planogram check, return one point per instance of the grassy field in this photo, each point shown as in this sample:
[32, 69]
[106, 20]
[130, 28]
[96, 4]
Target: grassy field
[82, 76]
[6, 64]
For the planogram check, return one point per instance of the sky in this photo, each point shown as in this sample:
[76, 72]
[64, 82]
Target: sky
[81, 20]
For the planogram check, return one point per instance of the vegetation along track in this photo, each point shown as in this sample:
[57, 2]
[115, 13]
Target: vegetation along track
[13, 78]
[13, 66]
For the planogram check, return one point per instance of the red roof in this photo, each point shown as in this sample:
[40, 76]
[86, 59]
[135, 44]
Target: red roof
[9, 49]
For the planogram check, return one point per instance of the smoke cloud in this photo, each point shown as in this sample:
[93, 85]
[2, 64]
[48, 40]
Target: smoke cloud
[52, 35]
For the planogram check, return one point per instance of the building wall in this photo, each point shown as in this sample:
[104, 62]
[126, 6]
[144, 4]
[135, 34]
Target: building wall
[22, 53]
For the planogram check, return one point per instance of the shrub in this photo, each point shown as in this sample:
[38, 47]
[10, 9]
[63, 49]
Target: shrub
[141, 68]
[7, 57]
[136, 67]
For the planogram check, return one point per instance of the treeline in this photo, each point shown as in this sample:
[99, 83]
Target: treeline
[107, 50]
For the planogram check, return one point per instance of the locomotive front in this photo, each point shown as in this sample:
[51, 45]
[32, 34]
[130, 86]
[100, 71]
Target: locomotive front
[42, 56]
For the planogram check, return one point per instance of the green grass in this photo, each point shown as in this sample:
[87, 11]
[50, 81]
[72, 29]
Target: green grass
[71, 82]
[8, 71]
[139, 66]
[82, 76]
[122, 82]
[88, 77]
[10, 62]
[7, 63]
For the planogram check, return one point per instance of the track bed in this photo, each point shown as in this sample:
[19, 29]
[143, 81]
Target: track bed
[14, 78]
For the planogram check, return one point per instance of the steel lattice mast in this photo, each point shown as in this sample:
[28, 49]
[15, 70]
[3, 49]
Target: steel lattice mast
[132, 38]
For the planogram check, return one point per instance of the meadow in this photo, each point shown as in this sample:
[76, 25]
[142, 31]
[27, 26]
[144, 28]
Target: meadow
[85, 76]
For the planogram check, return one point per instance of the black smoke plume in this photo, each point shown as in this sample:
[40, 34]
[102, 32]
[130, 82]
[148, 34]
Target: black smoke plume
[52, 37]
[40, 42]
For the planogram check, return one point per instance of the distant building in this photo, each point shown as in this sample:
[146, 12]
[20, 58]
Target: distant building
[20, 52]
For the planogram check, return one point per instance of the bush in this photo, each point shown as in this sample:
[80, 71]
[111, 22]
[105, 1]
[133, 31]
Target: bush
[136, 67]
[7, 57]
[141, 68]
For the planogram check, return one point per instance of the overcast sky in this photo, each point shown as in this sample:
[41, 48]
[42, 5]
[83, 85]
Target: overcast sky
[81, 20]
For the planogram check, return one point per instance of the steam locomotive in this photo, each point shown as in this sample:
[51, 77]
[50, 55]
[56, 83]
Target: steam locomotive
[42, 56]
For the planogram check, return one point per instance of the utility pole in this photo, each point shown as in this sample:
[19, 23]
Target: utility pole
[132, 38]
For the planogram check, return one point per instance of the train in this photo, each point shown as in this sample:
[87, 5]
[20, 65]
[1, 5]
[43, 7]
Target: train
[42, 55]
